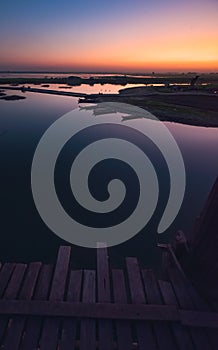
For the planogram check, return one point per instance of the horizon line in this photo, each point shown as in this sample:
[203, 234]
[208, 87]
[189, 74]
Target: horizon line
[107, 72]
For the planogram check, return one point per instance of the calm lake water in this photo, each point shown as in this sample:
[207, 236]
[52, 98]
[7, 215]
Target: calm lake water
[25, 237]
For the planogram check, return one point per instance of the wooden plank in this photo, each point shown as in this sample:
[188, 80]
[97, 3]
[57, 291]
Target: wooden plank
[88, 326]
[33, 324]
[175, 260]
[30, 280]
[60, 274]
[146, 339]
[14, 334]
[103, 280]
[43, 284]
[14, 285]
[137, 312]
[11, 292]
[5, 275]
[105, 327]
[69, 327]
[123, 328]
[162, 330]
[199, 336]
[181, 333]
[50, 330]
[87, 310]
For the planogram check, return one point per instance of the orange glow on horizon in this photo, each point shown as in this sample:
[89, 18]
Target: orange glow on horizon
[160, 55]
[180, 39]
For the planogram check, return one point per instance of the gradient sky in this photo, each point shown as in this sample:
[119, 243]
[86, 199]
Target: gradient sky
[112, 35]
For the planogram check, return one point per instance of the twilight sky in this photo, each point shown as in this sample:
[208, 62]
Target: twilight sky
[109, 35]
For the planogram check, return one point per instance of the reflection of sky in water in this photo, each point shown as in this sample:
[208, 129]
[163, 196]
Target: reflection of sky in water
[24, 236]
[85, 88]
[93, 89]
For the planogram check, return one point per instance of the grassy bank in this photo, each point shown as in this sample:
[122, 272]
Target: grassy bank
[199, 110]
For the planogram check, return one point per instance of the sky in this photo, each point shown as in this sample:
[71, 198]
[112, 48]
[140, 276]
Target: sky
[110, 36]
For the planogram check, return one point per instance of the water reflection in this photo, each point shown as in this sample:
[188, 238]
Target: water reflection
[25, 237]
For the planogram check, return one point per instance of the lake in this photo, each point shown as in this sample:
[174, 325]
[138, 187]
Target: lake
[25, 237]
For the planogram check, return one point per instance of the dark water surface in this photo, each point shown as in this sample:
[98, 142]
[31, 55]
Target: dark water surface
[25, 237]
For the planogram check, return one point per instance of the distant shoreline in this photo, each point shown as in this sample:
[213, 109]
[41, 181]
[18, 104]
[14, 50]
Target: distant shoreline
[112, 79]
[108, 72]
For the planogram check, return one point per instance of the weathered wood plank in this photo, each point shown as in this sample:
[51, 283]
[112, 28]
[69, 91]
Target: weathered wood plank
[144, 331]
[33, 324]
[14, 285]
[105, 327]
[162, 330]
[69, 327]
[87, 310]
[60, 274]
[137, 312]
[88, 327]
[11, 292]
[30, 280]
[14, 334]
[50, 331]
[103, 280]
[180, 332]
[123, 328]
[199, 336]
[44, 282]
[5, 275]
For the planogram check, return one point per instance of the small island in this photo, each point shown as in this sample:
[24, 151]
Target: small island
[12, 97]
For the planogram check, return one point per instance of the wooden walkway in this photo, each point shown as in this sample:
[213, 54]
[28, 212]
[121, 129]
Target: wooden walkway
[43, 91]
[54, 307]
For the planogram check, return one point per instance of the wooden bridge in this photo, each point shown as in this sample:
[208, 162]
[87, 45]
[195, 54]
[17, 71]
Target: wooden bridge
[43, 91]
[55, 307]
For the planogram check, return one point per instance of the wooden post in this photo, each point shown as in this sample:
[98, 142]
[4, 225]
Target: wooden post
[201, 265]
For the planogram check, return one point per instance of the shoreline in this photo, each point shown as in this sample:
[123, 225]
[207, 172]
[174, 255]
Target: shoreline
[75, 80]
[183, 112]
[195, 108]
